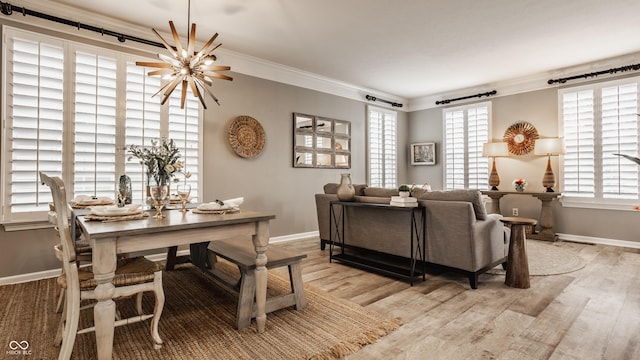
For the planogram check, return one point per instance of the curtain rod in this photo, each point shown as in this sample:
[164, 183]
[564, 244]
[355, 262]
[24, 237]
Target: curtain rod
[8, 9]
[392, 103]
[634, 67]
[488, 93]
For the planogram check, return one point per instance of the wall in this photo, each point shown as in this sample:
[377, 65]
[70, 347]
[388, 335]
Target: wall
[540, 108]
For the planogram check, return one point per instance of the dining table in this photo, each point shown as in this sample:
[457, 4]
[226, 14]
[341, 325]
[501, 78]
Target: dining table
[110, 238]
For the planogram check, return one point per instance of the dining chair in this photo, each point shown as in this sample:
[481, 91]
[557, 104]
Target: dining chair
[134, 275]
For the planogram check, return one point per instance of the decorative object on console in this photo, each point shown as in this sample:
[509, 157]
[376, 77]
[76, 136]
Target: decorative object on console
[193, 69]
[346, 191]
[520, 184]
[423, 153]
[494, 150]
[520, 138]
[549, 147]
[404, 191]
[246, 136]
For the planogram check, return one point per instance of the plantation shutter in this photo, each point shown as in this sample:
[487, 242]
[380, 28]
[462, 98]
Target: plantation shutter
[466, 130]
[94, 125]
[143, 114]
[579, 133]
[34, 85]
[183, 128]
[382, 147]
[619, 136]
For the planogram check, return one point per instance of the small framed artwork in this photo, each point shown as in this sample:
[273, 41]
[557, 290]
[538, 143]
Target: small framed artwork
[423, 153]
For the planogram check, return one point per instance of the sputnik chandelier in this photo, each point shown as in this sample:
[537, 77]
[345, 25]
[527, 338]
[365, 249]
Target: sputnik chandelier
[194, 70]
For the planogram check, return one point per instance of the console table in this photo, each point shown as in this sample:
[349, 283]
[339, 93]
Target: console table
[416, 216]
[546, 213]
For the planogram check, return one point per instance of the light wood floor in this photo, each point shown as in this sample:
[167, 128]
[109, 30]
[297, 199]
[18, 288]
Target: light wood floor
[593, 313]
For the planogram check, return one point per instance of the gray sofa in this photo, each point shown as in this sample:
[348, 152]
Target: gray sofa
[460, 235]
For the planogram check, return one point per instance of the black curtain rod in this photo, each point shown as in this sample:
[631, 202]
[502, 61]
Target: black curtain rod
[8, 10]
[635, 67]
[488, 93]
[392, 103]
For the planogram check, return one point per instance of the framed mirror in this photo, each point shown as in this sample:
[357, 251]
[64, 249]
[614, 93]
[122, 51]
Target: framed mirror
[320, 142]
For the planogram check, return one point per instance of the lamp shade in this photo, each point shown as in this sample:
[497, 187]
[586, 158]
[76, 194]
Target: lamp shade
[495, 149]
[550, 146]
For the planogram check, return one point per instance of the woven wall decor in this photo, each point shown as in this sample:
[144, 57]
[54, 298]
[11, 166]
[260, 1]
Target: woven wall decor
[246, 136]
[520, 138]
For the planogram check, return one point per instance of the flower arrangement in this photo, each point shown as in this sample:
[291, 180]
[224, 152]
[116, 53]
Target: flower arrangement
[161, 160]
[520, 182]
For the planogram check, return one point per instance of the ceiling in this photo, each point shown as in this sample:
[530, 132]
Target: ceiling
[408, 48]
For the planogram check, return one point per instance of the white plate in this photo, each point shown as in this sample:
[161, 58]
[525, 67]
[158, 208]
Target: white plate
[116, 211]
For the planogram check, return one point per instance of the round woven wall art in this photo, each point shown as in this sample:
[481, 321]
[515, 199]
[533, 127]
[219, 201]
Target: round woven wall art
[520, 138]
[246, 136]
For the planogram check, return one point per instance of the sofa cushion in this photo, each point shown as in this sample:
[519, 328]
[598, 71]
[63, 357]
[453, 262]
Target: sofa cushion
[332, 188]
[472, 196]
[380, 192]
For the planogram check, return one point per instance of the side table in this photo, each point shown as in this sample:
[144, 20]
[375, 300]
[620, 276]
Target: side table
[546, 212]
[517, 262]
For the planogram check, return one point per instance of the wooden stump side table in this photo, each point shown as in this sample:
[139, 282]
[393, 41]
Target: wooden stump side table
[517, 262]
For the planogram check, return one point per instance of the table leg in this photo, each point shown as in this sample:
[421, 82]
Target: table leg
[495, 203]
[546, 221]
[260, 242]
[517, 263]
[104, 269]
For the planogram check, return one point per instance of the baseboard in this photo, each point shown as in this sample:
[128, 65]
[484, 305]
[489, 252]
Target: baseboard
[16, 279]
[599, 241]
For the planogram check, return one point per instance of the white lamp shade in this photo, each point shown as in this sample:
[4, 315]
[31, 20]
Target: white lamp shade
[496, 149]
[551, 146]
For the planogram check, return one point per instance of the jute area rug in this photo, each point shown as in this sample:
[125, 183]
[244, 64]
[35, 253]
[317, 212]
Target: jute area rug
[548, 259]
[197, 323]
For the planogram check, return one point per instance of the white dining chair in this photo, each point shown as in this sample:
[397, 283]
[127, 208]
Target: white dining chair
[134, 276]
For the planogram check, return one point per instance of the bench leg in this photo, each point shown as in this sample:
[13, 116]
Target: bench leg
[245, 300]
[297, 287]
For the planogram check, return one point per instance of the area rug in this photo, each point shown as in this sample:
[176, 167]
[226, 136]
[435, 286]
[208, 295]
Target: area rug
[197, 323]
[547, 259]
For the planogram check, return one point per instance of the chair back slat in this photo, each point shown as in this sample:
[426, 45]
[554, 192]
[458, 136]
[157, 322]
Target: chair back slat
[59, 195]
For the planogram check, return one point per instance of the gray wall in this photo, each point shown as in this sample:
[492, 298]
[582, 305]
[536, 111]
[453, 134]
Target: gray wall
[540, 108]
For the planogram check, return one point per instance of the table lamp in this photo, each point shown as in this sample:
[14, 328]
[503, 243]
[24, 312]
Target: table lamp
[494, 150]
[549, 147]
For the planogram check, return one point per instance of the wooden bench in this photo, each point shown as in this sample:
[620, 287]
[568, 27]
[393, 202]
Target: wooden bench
[241, 253]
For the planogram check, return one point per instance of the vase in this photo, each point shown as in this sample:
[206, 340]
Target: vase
[345, 191]
[519, 187]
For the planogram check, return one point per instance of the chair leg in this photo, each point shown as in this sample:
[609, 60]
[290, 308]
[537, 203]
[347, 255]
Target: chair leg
[60, 299]
[70, 327]
[139, 303]
[157, 311]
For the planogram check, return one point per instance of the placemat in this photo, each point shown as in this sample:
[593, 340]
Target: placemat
[94, 217]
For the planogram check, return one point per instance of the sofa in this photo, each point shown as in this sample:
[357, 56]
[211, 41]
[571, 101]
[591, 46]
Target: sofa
[460, 235]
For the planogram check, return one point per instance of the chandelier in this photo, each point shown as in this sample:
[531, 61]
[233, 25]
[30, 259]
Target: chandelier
[194, 70]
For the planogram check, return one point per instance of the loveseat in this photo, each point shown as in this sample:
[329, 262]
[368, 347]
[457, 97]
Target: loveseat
[460, 235]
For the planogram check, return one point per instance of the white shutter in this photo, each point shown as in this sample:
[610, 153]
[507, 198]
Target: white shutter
[579, 135]
[454, 150]
[183, 129]
[142, 122]
[94, 118]
[34, 85]
[382, 137]
[619, 136]
[466, 129]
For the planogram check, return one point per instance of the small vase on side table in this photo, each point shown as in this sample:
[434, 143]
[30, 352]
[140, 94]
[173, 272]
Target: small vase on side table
[345, 191]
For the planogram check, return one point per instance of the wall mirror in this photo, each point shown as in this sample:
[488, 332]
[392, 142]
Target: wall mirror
[320, 142]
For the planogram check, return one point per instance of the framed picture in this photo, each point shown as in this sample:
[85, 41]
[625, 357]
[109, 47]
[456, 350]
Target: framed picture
[423, 153]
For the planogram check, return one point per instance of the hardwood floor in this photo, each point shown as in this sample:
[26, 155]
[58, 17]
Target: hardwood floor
[592, 313]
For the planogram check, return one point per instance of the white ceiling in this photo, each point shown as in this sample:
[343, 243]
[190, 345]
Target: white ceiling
[408, 48]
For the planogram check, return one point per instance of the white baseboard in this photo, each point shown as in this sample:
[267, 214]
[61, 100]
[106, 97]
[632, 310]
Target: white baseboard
[599, 241]
[16, 279]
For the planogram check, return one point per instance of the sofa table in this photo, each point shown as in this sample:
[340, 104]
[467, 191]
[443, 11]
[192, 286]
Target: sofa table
[517, 262]
[546, 213]
[415, 219]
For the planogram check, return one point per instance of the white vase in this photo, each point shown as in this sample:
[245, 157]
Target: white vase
[404, 194]
[345, 191]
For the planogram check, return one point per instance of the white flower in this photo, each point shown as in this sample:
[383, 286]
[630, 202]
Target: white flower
[169, 168]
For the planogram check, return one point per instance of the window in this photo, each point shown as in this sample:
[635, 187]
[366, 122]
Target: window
[599, 121]
[70, 111]
[466, 128]
[382, 142]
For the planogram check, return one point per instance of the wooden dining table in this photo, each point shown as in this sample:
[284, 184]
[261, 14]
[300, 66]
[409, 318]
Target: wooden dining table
[108, 239]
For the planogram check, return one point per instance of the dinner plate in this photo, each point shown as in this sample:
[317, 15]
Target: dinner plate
[115, 211]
